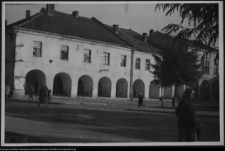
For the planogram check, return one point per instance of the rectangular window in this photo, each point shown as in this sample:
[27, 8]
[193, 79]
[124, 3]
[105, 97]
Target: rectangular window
[205, 64]
[138, 63]
[123, 60]
[106, 58]
[215, 67]
[87, 56]
[64, 52]
[147, 64]
[216, 61]
[37, 51]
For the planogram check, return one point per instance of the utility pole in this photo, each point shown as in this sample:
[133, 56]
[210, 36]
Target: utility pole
[131, 73]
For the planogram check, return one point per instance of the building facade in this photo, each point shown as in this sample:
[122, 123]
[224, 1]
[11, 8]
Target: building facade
[73, 56]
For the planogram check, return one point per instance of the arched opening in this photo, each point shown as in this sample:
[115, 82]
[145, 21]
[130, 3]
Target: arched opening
[168, 92]
[121, 88]
[62, 85]
[179, 90]
[35, 78]
[104, 87]
[138, 87]
[85, 86]
[58, 86]
[205, 90]
[215, 90]
[153, 91]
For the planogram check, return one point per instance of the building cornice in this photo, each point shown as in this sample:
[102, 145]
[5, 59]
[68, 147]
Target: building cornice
[30, 31]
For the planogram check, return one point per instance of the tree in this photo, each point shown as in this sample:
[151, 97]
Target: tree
[175, 65]
[204, 18]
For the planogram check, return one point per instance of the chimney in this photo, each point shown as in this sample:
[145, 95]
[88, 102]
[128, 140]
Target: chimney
[5, 23]
[151, 32]
[27, 13]
[115, 28]
[50, 9]
[76, 14]
[145, 37]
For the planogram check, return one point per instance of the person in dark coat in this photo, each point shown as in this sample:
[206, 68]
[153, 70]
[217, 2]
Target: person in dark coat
[140, 100]
[7, 91]
[49, 95]
[185, 112]
[31, 91]
[43, 95]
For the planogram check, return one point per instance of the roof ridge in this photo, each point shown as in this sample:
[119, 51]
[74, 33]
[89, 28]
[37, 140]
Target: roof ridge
[135, 32]
[104, 26]
[71, 14]
[112, 26]
[32, 18]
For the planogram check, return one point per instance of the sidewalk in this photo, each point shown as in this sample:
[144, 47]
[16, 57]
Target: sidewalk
[153, 105]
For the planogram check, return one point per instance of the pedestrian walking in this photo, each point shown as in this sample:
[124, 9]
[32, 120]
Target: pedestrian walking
[31, 91]
[49, 95]
[7, 91]
[43, 96]
[185, 112]
[140, 100]
[174, 99]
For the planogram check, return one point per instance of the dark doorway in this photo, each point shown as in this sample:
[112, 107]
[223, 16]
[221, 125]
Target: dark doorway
[121, 88]
[85, 86]
[80, 88]
[58, 86]
[104, 87]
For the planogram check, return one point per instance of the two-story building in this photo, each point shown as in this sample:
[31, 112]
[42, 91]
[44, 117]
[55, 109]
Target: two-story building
[72, 55]
[75, 56]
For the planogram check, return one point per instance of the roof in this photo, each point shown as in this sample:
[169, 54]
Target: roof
[160, 40]
[135, 39]
[67, 24]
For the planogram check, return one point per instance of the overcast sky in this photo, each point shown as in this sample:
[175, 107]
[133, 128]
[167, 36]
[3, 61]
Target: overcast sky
[138, 16]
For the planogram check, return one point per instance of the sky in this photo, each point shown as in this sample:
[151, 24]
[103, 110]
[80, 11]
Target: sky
[138, 16]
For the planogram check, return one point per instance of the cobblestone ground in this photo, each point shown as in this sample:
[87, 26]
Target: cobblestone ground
[123, 103]
[118, 104]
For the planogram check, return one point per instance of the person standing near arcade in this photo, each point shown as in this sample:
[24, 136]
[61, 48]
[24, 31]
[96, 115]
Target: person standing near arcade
[43, 95]
[7, 91]
[140, 100]
[31, 91]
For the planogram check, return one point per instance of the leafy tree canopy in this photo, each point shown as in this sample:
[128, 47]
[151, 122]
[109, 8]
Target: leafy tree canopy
[204, 18]
[176, 65]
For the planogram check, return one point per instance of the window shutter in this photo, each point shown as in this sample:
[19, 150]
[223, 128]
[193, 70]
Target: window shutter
[84, 57]
[108, 58]
[89, 55]
[67, 54]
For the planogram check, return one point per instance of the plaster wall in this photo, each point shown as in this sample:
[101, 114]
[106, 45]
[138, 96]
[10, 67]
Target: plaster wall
[74, 67]
[143, 74]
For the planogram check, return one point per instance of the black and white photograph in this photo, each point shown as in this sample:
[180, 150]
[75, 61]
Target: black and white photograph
[112, 73]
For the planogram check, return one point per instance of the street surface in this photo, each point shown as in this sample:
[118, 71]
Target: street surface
[97, 123]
